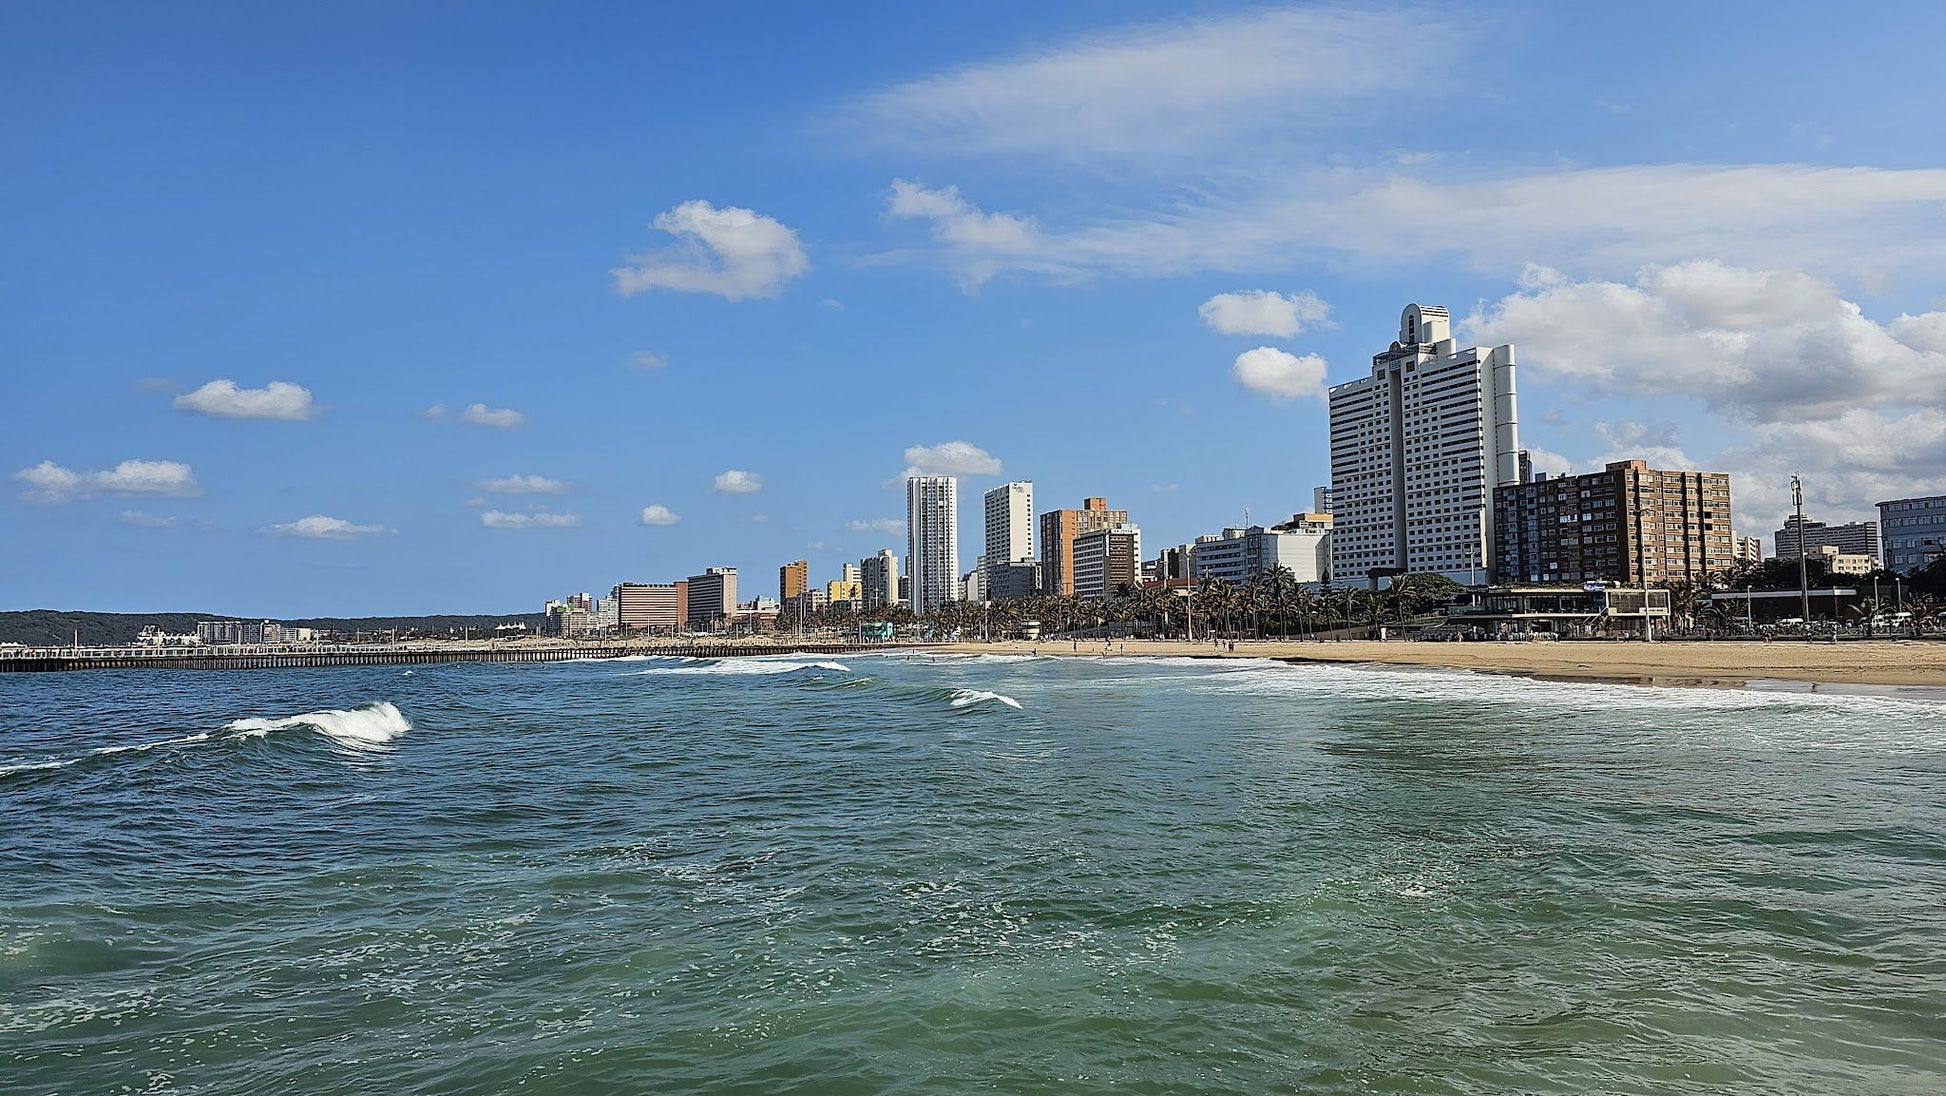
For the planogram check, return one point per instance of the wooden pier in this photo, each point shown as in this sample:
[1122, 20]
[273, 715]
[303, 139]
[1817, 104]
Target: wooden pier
[59, 659]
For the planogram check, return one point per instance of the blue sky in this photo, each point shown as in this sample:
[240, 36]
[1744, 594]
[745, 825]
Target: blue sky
[367, 310]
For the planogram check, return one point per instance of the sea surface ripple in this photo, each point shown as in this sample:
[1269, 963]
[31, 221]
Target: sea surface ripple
[922, 874]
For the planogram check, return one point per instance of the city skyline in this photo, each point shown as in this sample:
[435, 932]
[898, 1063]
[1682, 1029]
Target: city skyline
[457, 331]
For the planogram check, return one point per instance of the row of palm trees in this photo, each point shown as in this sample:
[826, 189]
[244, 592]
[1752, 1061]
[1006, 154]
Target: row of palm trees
[1271, 603]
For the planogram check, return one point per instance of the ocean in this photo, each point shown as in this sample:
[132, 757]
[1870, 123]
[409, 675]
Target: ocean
[964, 874]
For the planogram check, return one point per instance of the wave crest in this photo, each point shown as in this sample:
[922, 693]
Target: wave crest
[372, 727]
[966, 698]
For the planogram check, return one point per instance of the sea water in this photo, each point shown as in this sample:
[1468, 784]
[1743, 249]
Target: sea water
[925, 874]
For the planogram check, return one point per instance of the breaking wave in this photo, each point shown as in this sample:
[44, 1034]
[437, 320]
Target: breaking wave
[747, 666]
[372, 727]
[966, 698]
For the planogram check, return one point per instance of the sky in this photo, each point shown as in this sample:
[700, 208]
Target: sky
[363, 309]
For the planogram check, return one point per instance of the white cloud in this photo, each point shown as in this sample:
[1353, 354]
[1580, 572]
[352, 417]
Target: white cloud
[524, 485]
[1280, 374]
[737, 482]
[1165, 89]
[955, 220]
[500, 418]
[495, 519]
[951, 458]
[1164, 488]
[658, 514]
[146, 521]
[51, 483]
[1605, 221]
[888, 526]
[832, 303]
[279, 400]
[319, 527]
[648, 359]
[1757, 345]
[733, 253]
[1262, 312]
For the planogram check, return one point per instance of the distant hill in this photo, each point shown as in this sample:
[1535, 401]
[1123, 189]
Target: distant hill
[55, 627]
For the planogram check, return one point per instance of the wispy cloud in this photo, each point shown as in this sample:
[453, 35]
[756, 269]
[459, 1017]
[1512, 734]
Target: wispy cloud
[146, 521]
[51, 483]
[888, 526]
[496, 519]
[648, 360]
[730, 252]
[478, 414]
[278, 400]
[319, 527]
[1166, 89]
[524, 485]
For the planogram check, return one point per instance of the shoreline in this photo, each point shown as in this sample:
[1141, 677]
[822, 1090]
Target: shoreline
[1902, 664]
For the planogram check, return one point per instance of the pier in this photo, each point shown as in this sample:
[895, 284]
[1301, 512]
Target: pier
[60, 659]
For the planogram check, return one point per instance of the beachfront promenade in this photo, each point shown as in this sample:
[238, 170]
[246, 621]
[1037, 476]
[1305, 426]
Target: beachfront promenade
[57, 659]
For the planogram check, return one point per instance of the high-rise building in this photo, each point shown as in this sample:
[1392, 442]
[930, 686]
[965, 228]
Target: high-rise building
[1749, 550]
[1009, 525]
[1416, 450]
[661, 607]
[1915, 531]
[1059, 531]
[1107, 559]
[1320, 500]
[1624, 524]
[712, 597]
[793, 579]
[850, 572]
[1858, 538]
[932, 541]
[845, 591]
[879, 576]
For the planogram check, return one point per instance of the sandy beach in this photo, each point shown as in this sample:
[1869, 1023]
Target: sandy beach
[1874, 662]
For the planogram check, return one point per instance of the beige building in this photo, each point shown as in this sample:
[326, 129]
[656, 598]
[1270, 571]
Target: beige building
[1628, 523]
[1060, 529]
[1106, 560]
[656, 607]
[793, 579]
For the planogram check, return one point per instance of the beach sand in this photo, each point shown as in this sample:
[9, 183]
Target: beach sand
[1869, 662]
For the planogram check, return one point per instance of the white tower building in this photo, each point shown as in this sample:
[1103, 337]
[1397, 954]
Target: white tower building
[1416, 451]
[1009, 525]
[932, 541]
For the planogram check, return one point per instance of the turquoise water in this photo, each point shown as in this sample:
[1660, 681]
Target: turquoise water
[877, 875]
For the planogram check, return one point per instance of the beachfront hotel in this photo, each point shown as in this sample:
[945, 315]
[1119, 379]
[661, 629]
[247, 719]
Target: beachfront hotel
[1628, 523]
[1416, 450]
[932, 541]
[1009, 528]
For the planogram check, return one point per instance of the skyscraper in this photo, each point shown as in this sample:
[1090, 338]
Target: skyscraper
[932, 541]
[1107, 559]
[1009, 526]
[1416, 450]
[711, 597]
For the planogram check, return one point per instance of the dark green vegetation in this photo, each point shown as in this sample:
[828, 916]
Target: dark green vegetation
[54, 627]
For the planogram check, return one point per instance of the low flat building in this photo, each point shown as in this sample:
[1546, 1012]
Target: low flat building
[653, 608]
[1560, 610]
[1301, 546]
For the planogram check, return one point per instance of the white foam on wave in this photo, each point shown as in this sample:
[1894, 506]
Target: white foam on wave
[747, 666]
[372, 727]
[105, 751]
[966, 698]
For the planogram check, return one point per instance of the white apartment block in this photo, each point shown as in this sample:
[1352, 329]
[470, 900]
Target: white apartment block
[1416, 451]
[1009, 525]
[932, 541]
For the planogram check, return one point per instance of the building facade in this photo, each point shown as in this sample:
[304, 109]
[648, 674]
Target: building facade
[1009, 525]
[1060, 529]
[661, 608]
[1628, 523]
[712, 598]
[1915, 531]
[1857, 538]
[793, 578]
[932, 541]
[879, 579]
[1107, 559]
[1013, 581]
[1416, 451]
[1301, 546]
[1750, 550]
